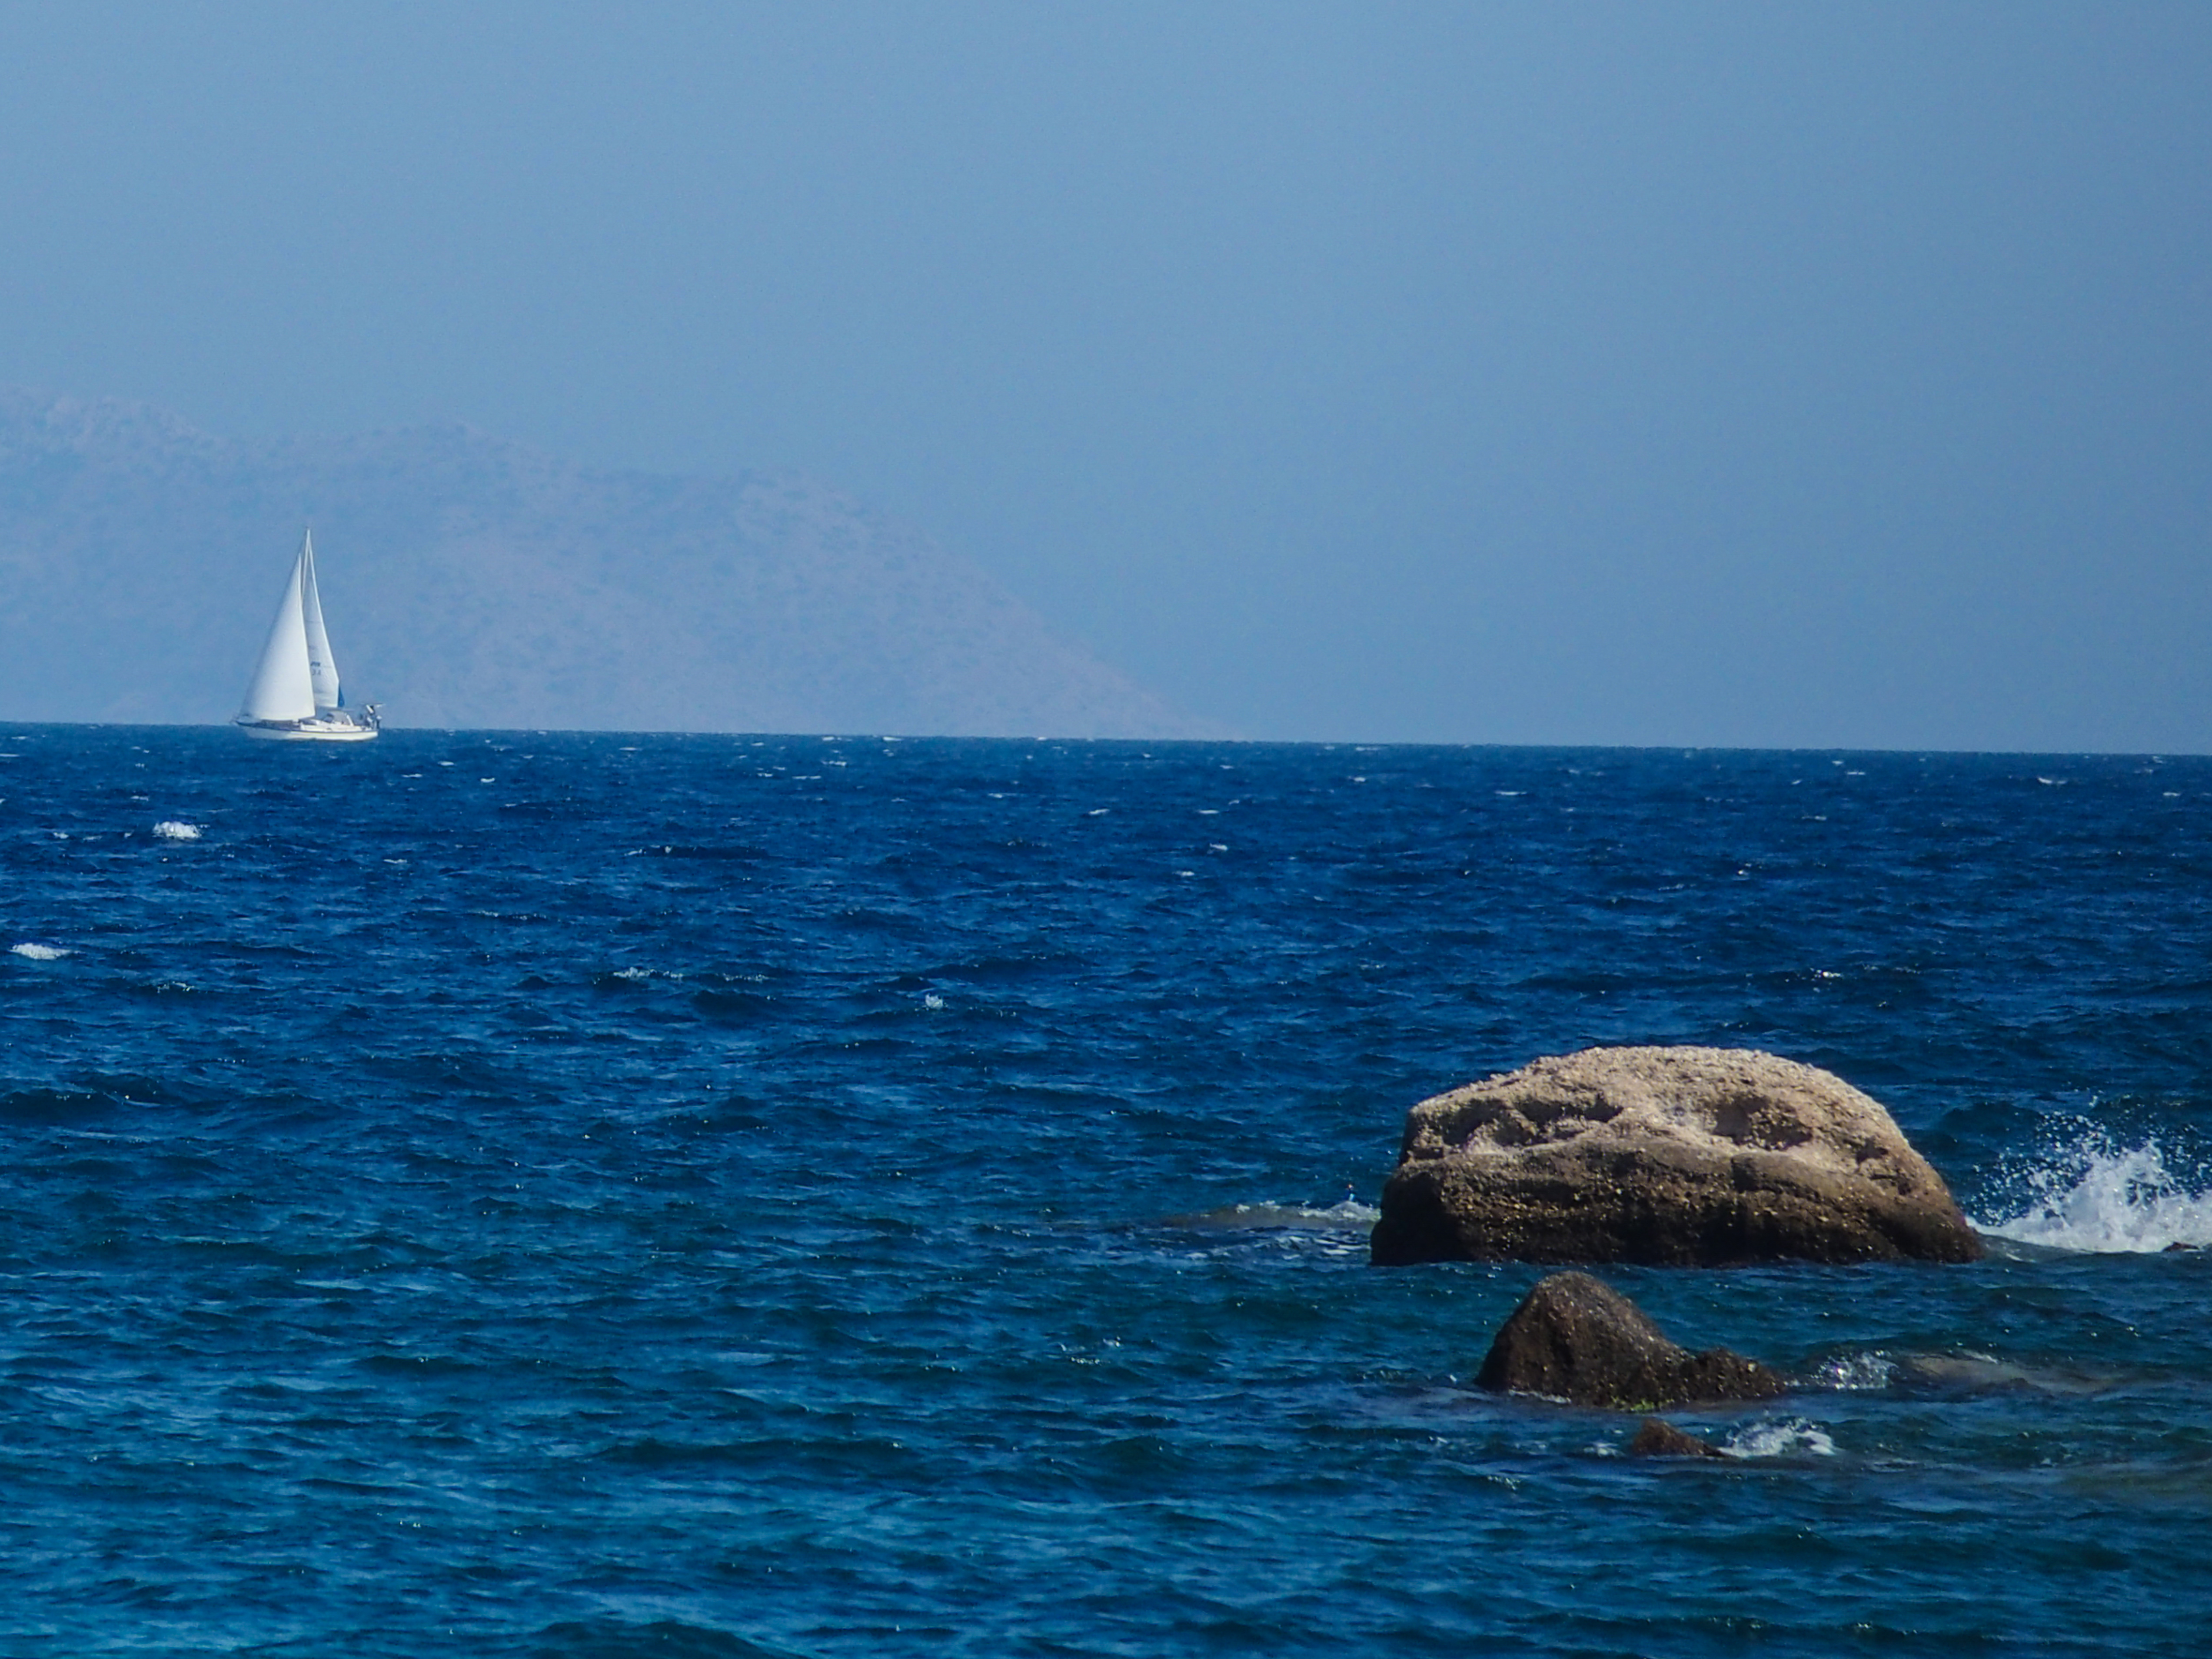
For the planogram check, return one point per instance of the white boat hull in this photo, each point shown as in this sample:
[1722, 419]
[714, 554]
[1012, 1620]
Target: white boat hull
[306, 732]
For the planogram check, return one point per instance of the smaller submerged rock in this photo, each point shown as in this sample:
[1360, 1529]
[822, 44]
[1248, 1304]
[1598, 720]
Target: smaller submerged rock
[1660, 1438]
[1575, 1339]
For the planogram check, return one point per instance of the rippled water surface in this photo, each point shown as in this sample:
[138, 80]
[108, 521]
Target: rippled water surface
[589, 1195]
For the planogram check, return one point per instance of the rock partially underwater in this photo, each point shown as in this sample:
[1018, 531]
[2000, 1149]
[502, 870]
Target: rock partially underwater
[1660, 1438]
[1668, 1156]
[1577, 1339]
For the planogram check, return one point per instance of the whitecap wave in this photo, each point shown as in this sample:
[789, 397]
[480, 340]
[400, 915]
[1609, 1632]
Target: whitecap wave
[38, 952]
[1781, 1436]
[632, 975]
[1348, 1214]
[2096, 1195]
[1856, 1373]
[177, 830]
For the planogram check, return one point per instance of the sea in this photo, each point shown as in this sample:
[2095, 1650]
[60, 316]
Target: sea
[528, 1194]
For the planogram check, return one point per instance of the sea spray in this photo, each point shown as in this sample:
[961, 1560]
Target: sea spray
[2094, 1193]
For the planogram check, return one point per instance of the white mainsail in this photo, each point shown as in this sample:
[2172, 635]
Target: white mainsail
[322, 667]
[284, 687]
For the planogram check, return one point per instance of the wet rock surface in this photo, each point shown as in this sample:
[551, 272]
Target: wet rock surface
[1679, 1156]
[1657, 1438]
[1576, 1339]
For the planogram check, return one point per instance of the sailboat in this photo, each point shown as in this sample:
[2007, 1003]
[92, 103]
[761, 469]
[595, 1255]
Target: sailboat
[295, 696]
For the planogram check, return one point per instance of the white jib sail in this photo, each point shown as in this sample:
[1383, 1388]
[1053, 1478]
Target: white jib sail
[322, 667]
[284, 687]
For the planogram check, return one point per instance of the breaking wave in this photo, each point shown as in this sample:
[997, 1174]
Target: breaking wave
[2097, 1196]
[1347, 1215]
[1786, 1437]
[177, 830]
[38, 952]
[1856, 1373]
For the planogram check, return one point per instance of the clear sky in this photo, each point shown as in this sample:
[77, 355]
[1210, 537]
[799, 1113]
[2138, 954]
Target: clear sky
[1771, 375]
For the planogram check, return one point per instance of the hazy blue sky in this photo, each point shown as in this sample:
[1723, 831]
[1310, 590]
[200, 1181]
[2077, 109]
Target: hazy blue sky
[1656, 373]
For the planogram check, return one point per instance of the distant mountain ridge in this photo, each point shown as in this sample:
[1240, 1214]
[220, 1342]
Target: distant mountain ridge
[475, 582]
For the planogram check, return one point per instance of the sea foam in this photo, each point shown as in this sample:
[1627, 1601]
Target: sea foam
[1348, 1214]
[177, 830]
[38, 952]
[2097, 1195]
[1853, 1373]
[1783, 1436]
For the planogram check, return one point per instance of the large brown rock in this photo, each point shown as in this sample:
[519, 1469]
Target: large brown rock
[1575, 1339]
[1682, 1155]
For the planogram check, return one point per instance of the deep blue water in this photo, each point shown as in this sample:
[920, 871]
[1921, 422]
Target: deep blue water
[525, 1194]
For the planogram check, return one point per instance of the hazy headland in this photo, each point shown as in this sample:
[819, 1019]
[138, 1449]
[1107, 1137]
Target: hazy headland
[475, 582]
